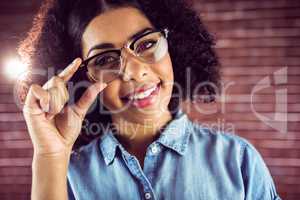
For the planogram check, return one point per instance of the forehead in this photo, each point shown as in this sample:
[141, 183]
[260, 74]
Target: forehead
[114, 26]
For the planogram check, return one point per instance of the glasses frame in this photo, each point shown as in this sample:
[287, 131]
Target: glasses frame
[128, 45]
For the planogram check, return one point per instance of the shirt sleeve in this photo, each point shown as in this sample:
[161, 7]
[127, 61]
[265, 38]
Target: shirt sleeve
[258, 182]
[70, 192]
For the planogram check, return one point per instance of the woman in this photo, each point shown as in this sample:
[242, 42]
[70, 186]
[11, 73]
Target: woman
[135, 55]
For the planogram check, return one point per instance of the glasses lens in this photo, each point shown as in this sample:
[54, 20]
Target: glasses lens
[151, 47]
[105, 67]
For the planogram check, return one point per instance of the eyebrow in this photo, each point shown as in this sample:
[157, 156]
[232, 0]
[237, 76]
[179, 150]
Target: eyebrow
[110, 45]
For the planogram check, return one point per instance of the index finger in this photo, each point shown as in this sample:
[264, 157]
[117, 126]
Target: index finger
[70, 70]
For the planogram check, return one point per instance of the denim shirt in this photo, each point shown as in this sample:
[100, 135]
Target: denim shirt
[186, 162]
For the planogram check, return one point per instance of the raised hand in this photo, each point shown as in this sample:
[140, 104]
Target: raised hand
[54, 126]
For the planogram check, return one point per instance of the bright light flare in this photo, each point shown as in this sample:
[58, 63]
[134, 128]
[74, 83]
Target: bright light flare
[14, 68]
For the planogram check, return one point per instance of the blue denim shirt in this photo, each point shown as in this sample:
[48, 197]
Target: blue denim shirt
[186, 162]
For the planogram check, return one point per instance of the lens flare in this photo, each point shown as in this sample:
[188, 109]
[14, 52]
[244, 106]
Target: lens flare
[14, 68]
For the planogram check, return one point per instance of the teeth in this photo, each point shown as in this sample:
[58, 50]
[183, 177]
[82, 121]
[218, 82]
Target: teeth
[142, 94]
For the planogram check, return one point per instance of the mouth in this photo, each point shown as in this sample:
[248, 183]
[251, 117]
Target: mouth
[143, 97]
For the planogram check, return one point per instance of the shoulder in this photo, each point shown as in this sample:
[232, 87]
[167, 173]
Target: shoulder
[202, 132]
[226, 146]
[221, 142]
[230, 150]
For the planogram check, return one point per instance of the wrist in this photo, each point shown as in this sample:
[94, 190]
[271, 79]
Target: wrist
[59, 157]
[52, 153]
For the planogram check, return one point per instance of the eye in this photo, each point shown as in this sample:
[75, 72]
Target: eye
[102, 61]
[145, 45]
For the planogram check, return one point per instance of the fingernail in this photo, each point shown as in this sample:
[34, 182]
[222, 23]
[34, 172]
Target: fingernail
[75, 61]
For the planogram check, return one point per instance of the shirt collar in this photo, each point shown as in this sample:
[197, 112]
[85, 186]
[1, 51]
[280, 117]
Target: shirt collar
[174, 136]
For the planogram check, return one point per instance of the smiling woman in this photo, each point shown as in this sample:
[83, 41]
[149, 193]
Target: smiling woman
[135, 57]
[142, 72]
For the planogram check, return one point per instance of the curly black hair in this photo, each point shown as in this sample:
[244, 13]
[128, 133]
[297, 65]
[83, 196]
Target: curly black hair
[55, 40]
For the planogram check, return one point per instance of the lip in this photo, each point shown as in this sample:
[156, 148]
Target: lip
[147, 101]
[140, 89]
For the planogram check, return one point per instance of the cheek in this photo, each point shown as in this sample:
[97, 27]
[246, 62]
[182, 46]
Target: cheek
[165, 69]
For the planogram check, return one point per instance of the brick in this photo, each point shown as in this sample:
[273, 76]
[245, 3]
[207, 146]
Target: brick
[15, 171]
[16, 162]
[14, 135]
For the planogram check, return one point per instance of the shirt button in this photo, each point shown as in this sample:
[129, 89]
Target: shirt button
[154, 149]
[147, 195]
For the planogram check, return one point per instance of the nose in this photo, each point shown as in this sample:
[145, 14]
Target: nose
[132, 68]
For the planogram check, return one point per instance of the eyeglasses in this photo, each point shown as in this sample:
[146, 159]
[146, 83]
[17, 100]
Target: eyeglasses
[149, 47]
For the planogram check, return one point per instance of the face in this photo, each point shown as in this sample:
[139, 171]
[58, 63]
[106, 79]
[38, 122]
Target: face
[155, 79]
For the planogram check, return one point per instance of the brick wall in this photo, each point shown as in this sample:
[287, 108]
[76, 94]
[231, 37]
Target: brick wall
[15, 145]
[255, 39]
[259, 40]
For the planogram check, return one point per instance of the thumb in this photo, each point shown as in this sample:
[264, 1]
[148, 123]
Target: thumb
[86, 100]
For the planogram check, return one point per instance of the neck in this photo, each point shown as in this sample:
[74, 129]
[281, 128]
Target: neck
[136, 137]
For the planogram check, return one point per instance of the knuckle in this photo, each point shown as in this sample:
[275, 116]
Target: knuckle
[33, 87]
[53, 82]
[49, 84]
[57, 100]
[52, 92]
[57, 80]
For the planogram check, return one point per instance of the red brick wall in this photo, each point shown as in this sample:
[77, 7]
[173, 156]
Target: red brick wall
[254, 40]
[15, 145]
